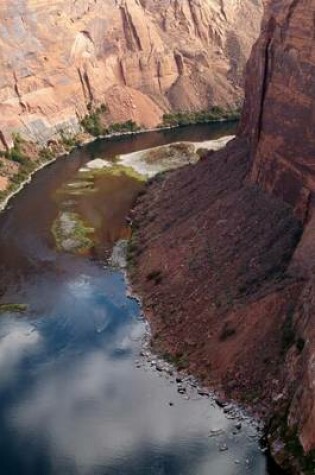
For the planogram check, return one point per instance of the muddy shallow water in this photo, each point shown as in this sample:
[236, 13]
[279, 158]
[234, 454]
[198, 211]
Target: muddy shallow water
[73, 397]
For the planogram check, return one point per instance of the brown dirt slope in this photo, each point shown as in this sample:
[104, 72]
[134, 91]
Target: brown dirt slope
[210, 259]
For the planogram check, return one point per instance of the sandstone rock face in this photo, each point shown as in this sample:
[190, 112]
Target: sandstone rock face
[280, 103]
[140, 57]
[279, 120]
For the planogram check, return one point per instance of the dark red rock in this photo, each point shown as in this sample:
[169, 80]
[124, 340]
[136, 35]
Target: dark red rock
[279, 112]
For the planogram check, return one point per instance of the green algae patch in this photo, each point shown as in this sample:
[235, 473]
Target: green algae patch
[72, 234]
[13, 308]
[80, 187]
[119, 170]
[116, 170]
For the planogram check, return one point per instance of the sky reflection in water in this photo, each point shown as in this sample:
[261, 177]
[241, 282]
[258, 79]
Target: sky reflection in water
[71, 399]
[80, 405]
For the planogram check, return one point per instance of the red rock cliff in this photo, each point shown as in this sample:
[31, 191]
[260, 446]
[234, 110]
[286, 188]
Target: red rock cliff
[279, 113]
[232, 241]
[279, 120]
[140, 57]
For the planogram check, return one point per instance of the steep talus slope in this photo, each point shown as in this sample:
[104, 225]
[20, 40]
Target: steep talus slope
[220, 251]
[224, 252]
[141, 58]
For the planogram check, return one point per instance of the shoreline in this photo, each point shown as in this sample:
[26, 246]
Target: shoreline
[5, 201]
[187, 383]
[184, 381]
[157, 359]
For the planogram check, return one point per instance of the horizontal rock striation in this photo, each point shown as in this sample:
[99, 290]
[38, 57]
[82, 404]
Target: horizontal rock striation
[141, 58]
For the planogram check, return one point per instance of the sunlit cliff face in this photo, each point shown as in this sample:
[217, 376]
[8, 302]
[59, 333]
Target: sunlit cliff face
[141, 58]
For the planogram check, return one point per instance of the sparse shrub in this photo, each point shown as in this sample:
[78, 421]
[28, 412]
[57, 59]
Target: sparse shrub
[202, 152]
[300, 343]
[179, 359]
[121, 127]
[46, 154]
[13, 308]
[155, 276]
[216, 113]
[92, 123]
[103, 108]
[227, 332]
[132, 249]
[17, 156]
[158, 178]
[288, 333]
[68, 140]
[16, 153]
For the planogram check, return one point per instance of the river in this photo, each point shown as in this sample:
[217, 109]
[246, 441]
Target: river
[75, 396]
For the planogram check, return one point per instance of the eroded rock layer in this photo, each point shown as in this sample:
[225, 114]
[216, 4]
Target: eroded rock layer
[141, 58]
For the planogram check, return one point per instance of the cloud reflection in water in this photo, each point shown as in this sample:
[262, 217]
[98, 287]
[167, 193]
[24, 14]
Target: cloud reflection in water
[17, 339]
[87, 409]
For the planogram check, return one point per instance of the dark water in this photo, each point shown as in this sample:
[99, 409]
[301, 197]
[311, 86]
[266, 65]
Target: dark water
[72, 400]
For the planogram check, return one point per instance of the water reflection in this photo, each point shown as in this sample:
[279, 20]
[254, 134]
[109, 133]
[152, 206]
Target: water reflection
[16, 340]
[72, 400]
[82, 405]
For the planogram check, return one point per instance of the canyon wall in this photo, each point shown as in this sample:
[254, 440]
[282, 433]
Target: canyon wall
[279, 120]
[234, 246]
[139, 57]
[279, 113]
